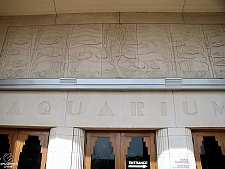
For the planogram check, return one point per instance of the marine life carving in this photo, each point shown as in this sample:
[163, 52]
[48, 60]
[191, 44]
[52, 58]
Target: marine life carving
[114, 50]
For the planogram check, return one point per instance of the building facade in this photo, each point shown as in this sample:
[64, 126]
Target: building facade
[113, 90]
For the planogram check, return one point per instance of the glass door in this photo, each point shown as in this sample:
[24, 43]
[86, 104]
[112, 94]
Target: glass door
[209, 150]
[7, 144]
[120, 150]
[138, 151]
[101, 151]
[23, 149]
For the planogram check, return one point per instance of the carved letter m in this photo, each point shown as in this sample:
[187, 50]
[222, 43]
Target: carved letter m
[218, 109]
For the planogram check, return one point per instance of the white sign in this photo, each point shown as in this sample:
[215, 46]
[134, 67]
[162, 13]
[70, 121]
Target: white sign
[137, 164]
[180, 162]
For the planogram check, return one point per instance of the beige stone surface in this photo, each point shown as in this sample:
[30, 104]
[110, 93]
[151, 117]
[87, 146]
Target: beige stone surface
[191, 58]
[27, 20]
[215, 40]
[3, 31]
[114, 51]
[83, 18]
[199, 109]
[173, 144]
[27, 7]
[204, 18]
[155, 56]
[141, 110]
[79, 6]
[32, 108]
[120, 110]
[204, 6]
[115, 17]
[153, 17]
[120, 51]
[84, 52]
[42, 7]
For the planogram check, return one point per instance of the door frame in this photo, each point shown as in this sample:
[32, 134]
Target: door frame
[198, 138]
[120, 142]
[17, 138]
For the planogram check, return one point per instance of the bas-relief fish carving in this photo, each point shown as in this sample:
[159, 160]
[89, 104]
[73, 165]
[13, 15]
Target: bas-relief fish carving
[122, 49]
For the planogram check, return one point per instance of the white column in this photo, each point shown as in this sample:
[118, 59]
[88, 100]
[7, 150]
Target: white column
[60, 148]
[78, 149]
[162, 143]
[174, 148]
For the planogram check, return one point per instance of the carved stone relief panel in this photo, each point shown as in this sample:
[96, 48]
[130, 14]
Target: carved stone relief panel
[50, 52]
[114, 50]
[215, 48]
[155, 51]
[189, 52]
[85, 51]
[3, 32]
[119, 51]
[17, 51]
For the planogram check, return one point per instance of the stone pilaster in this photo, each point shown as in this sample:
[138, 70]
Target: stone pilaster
[60, 148]
[175, 146]
[162, 143]
[78, 148]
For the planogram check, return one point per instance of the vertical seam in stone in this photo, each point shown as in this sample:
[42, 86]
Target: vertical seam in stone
[55, 12]
[183, 11]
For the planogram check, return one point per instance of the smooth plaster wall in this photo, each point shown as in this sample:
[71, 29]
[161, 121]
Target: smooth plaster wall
[126, 110]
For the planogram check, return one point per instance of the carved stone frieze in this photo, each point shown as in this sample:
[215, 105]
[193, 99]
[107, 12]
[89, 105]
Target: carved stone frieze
[114, 50]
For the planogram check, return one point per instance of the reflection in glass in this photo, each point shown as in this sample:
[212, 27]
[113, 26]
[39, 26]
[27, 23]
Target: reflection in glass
[138, 154]
[30, 157]
[211, 154]
[5, 155]
[103, 157]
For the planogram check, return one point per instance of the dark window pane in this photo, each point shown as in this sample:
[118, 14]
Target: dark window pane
[137, 154]
[30, 157]
[103, 157]
[211, 154]
[5, 156]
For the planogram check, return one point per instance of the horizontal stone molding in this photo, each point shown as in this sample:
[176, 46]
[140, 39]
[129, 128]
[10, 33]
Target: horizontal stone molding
[112, 84]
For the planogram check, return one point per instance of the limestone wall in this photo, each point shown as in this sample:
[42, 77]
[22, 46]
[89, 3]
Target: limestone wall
[119, 110]
[113, 45]
[112, 50]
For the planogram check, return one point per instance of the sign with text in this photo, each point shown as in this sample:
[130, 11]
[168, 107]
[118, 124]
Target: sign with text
[180, 162]
[138, 164]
